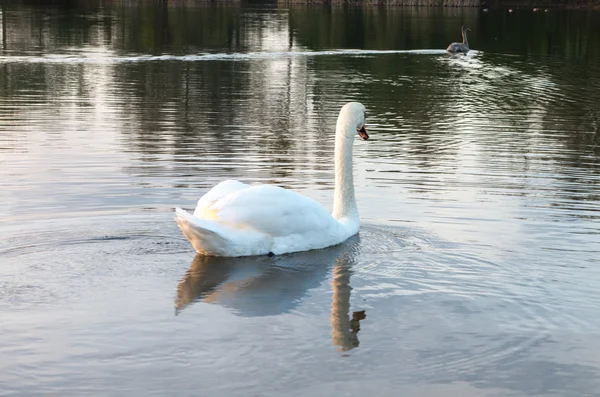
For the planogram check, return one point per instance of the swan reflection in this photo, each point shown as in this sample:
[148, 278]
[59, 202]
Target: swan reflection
[344, 329]
[262, 286]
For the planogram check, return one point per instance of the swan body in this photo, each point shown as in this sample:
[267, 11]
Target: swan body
[463, 47]
[236, 219]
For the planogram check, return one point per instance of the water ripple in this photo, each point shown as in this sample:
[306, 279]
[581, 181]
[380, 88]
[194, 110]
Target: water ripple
[103, 59]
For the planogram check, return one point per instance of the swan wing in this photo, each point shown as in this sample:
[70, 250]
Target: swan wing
[218, 192]
[274, 211]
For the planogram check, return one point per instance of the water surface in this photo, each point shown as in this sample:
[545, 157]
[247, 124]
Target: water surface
[476, 271]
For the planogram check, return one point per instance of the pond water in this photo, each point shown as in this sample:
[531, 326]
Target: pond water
[477, 268]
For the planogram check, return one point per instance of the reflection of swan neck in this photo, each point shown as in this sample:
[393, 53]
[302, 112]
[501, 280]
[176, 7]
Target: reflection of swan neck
[344, 202]
[342, 335]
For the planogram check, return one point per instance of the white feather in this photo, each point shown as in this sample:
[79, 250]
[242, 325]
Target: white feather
[236, 219]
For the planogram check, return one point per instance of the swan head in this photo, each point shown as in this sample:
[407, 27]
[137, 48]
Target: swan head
[353, 115]
[465, 28]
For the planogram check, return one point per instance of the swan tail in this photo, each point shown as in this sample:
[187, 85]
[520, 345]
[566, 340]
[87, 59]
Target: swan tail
[202, 234]
[211, 238]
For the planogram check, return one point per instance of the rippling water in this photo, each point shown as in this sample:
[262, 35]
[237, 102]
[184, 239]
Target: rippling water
[476, 271]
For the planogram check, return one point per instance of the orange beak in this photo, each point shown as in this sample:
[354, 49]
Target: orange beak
[363, 133]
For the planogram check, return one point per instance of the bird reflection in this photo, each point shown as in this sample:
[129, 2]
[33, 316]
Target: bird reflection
[344, 329]
[261, 286]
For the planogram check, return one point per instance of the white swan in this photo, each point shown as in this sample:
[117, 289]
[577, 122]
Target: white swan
[235, 219]
[463, 47]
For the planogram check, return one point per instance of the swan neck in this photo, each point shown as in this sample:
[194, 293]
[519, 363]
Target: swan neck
[464, 35]
[344, 202]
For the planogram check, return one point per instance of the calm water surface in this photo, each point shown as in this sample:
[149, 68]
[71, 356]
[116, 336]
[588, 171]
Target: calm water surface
[478, 263]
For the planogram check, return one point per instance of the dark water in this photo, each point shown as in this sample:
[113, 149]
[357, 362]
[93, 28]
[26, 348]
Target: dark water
[478, 262]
